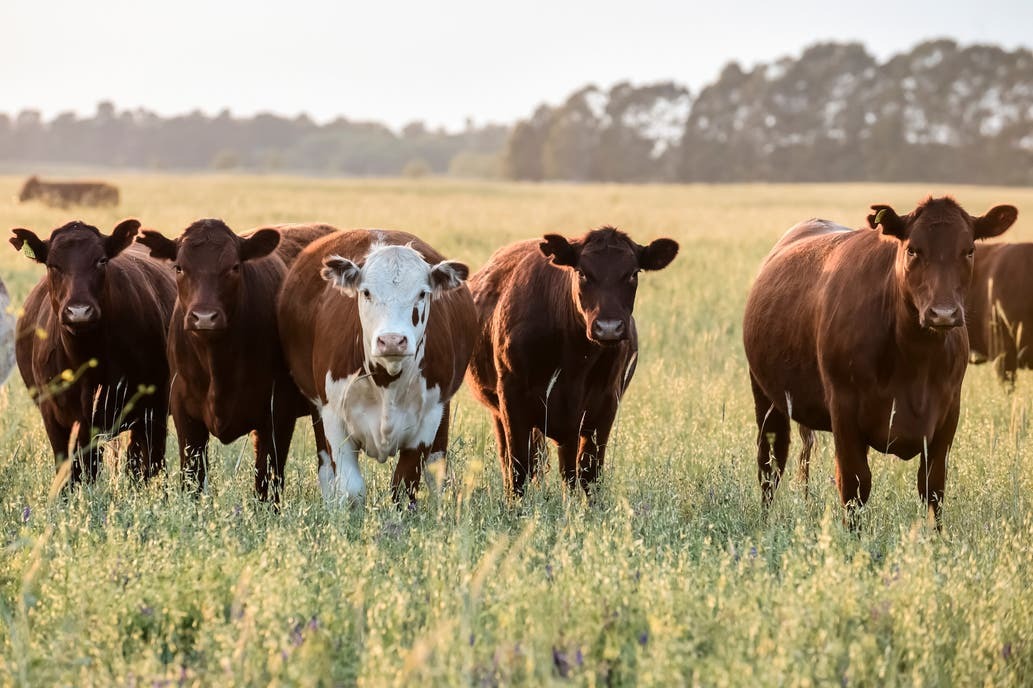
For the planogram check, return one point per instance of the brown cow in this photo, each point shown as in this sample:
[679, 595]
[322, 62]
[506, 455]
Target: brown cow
[860, 332]
[557, 345]
[378, 328]
[999, 310]
[229, 374]
[64, 194]
[91, 343]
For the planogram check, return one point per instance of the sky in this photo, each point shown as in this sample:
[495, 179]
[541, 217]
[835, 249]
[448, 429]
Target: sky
[440, 61]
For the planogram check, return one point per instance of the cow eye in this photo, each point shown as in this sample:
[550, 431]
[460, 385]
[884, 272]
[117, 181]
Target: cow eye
[582, 277]
[365, 293]
[422, 295]
[633, 278]
[101, 262]
[970, 254]
[236, 268]
[911, 252]
[178, 269]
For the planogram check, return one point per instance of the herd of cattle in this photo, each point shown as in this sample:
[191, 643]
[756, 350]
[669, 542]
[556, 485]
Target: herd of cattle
[371, 332]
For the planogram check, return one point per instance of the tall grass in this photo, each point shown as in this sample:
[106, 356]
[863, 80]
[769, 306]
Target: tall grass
[670, 576]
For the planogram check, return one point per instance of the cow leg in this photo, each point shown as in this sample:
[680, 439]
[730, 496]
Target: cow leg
[406, 478]
[340, 478]
[500, 441]
[772, 443]
[271, 448]
[932, 471]
[147, 443]
[435, 464]
[853, 475]
[59, 436]
[568, 459]
[517, 463]
[807, 442]
[193, 451]
[86, 463]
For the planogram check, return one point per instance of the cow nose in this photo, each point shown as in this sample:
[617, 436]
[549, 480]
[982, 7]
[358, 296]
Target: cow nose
[80, 313]
[608, 330]
[943, 316]
[205, 320]
[392, 345]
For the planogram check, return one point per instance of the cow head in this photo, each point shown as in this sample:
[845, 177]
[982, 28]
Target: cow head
[604, 266]
[936, 245]
[208, 260]
[30, 189]
[394, 287]
[76, 256]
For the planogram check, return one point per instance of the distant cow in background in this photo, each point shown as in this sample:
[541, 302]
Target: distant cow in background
[64, 194]
[999, 309]
[860, 332]
[378, 329]
[229, 374]
[91, 344]
[6, 334]
[557, 345]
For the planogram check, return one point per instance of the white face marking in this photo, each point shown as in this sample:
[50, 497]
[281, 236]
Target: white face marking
[394, 288]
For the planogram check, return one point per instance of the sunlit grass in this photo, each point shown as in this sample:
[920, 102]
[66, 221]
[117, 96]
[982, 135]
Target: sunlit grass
[671, 576]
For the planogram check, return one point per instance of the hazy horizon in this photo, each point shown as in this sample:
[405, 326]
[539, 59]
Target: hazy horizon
[438, 64]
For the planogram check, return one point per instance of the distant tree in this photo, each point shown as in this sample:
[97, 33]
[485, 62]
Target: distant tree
[417, 168]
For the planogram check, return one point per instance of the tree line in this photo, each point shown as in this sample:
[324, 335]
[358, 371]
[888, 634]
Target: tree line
[265, 142]
[939, 112]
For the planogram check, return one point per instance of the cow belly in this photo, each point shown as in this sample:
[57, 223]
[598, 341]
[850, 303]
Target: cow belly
[384, 420]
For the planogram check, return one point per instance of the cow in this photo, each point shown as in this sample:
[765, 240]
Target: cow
[6, 334]
[91, 344]
[229, 376]
[378, 328]
[557, 346]
[999, 310]
[861, 333]
[64, 194]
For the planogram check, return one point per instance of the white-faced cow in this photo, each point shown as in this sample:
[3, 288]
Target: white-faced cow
[378, 328]
[557, 345]
[229, 374]
[91, 343]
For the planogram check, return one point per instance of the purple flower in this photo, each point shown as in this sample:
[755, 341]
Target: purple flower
[578, 657]
[1006, 651]
[753, 552]
[26, 512]
[471, 640]
[643, 638]
[560, 661]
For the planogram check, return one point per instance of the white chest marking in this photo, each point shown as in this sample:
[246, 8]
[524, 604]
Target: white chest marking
[380, 421]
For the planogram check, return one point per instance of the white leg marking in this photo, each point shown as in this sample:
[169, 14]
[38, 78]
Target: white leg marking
[434, 471]
[349, 485]
[326, 476]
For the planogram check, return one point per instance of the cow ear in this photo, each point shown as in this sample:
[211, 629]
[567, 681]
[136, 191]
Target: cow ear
[561, 251]
[25, 240]
[260, 244]
[448, 275]
[121, 237]
[996, 221]
[342, 273]
[160, 246]
[892, 224]
[658, 255]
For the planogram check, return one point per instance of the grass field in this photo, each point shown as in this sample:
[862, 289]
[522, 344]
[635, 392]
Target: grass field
[671, 577]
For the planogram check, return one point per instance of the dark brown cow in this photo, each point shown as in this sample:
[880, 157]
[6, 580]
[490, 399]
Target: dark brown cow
[378, 328]
[999, 310]
[229, 374]
[860, 332]
[557, 345]
[64, 194]
[91, 343]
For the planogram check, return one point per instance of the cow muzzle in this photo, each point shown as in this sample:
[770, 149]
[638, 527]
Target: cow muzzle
[391, 346]
[609, 331]
[943, 317]
[205, 320]
[79, 315]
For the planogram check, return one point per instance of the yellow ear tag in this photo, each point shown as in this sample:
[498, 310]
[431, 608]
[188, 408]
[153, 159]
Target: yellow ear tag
[27, 250]
[878, 216]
